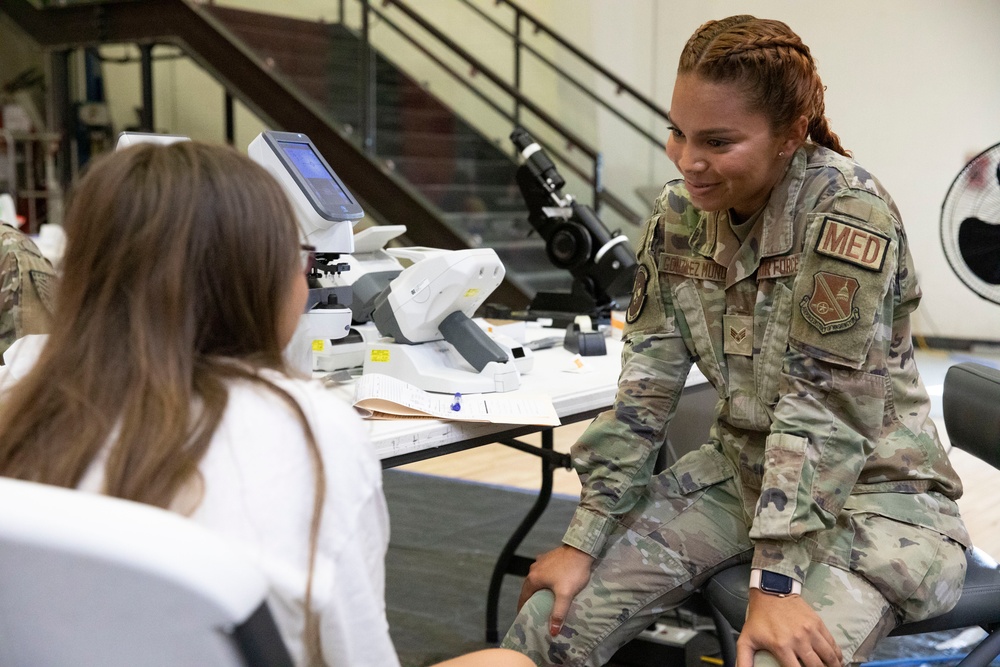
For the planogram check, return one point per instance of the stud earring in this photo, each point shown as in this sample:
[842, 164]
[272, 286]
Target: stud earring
[781, 154]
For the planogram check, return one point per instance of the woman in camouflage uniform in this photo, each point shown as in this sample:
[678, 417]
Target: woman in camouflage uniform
[27, 281]
[779, 267]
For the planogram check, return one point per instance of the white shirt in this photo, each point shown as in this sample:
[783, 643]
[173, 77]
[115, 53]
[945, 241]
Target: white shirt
[258, 491]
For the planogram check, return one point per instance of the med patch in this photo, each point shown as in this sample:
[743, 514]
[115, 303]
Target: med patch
[841, 240]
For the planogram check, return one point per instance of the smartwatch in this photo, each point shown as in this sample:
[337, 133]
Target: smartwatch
[773, 583]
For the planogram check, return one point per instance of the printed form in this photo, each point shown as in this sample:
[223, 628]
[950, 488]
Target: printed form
[380, 396]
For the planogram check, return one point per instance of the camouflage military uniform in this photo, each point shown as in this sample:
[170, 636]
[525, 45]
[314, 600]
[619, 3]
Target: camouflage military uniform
[822, 463]
[27, 283]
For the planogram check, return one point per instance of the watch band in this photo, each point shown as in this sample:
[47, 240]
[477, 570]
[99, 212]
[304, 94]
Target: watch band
[773, 583]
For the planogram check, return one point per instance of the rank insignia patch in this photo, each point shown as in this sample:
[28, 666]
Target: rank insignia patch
[830, 307]
[739, 334]
[638, 295]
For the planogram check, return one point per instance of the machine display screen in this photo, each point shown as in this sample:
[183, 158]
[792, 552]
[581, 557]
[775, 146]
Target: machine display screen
[316, 176]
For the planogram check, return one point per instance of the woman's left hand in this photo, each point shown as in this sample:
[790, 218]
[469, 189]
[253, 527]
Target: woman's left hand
[789, 629]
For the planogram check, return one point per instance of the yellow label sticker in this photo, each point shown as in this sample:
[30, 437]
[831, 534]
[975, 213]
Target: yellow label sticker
[380, 355]
[319, 345]
[471, 292]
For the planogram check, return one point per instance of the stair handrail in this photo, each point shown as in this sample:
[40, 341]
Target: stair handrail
[618, 81]
[610, 198]
[481, 68]
[520, 44]
[600, 194]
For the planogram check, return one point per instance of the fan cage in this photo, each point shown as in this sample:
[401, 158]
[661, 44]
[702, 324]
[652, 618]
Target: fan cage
[975, 193]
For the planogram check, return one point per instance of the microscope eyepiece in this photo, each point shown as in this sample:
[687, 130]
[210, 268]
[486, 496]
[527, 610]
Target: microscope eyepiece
[536, 159]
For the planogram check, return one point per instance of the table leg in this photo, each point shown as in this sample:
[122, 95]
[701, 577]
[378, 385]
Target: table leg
[509, 562]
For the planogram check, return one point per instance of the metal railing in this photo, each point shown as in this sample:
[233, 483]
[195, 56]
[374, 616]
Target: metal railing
[515, 101]
[519, 45]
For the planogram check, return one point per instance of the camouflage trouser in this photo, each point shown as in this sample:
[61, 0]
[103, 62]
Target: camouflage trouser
[675, 540]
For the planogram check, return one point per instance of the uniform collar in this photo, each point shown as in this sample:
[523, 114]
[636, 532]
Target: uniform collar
[773, 234]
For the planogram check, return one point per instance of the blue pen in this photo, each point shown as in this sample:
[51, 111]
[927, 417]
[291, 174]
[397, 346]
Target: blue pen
[457, 405]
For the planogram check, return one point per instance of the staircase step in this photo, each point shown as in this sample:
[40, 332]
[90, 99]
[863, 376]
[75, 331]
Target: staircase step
[473, 197]
[432, 144]
[454, 170]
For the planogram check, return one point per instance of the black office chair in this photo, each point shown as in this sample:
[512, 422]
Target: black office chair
[972, 420]
[88, 580]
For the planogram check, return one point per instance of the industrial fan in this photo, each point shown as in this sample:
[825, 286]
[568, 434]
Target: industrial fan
[970, 224]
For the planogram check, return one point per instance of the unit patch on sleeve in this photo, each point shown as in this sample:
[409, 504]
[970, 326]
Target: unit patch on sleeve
[831, 307]
[44, 285]
[638, 294]
[844, 241]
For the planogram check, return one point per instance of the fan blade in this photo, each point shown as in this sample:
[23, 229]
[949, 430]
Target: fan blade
[979, 244]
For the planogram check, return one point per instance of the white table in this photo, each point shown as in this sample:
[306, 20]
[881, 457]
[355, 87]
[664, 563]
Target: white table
[576, 396]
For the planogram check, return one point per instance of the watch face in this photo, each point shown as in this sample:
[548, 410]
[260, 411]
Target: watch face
[772, 582]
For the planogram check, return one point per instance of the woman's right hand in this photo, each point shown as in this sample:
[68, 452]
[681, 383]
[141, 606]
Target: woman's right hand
[565, 571]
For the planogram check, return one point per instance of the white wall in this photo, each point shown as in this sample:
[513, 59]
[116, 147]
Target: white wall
[186, 100]
[913, 91]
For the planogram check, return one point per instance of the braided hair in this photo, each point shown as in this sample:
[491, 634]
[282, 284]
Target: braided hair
[771, 63]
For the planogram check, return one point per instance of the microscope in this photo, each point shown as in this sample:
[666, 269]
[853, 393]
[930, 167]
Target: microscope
[602, 263]
[326, 213]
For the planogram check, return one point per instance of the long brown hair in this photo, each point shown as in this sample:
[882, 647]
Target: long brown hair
[773, 66]
[179, 260]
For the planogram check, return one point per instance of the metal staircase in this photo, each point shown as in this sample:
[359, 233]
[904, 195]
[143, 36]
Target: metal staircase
[403, 151]
[467, 178]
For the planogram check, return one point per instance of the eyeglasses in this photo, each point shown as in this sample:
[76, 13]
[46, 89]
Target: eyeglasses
[308, 257]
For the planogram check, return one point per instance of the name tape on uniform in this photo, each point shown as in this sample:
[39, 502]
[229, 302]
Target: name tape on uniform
[692, 267]
[848, 243]
[779, 267]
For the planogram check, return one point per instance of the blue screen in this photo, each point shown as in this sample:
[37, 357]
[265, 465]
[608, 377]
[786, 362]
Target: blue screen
[314, 172]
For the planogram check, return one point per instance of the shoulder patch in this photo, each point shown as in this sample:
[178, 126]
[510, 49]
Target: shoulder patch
[638, 294]
[830, 307]
[849, 243]
[44, 283]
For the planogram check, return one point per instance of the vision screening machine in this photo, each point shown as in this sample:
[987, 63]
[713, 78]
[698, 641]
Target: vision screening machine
[422, 313]
[326, 213]
[427, 310]
[415, 323]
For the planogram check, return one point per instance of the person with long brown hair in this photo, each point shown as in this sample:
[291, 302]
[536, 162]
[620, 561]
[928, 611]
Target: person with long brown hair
[162, 381]
[780, 267]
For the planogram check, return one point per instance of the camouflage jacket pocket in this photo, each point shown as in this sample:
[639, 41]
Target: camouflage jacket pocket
[702, 331]
[699, 469]
[920, 571]
[768, 363]
[780, 492]
[676, 489]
